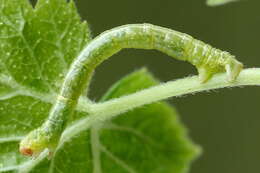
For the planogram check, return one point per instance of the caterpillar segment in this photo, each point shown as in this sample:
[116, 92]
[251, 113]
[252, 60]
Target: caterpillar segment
[209, 60]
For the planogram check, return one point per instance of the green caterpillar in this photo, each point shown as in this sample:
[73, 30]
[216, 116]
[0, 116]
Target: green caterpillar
[207, 59]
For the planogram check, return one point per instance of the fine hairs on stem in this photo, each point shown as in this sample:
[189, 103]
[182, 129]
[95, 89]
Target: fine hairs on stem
[109, 109]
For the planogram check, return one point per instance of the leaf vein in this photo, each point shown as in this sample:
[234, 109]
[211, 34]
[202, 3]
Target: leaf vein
[95, 149]
[117, 160]
[144, 137]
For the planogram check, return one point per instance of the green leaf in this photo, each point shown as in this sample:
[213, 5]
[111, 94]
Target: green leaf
[36, 48]
[148, 139]
[219, 2]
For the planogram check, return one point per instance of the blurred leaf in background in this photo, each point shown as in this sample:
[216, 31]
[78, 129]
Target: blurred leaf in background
[218, 2]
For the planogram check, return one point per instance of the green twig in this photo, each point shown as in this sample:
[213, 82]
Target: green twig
[109, 109]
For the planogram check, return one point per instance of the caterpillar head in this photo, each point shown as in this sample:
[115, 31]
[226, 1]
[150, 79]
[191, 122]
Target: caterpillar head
[34, 143]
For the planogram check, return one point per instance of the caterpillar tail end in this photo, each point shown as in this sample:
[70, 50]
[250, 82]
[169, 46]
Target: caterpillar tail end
[233, 69]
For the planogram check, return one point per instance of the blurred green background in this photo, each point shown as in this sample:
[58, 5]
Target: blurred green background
[224, 122]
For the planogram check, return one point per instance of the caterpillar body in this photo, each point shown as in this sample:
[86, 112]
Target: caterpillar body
[207, 59]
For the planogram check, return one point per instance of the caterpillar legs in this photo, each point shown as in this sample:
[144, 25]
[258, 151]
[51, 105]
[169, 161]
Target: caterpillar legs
[233, 68]
[204, 74]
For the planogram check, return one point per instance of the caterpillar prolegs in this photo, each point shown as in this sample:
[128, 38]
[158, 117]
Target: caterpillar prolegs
[207, 59]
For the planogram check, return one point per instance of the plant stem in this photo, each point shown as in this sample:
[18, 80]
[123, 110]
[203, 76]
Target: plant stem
[109, 109]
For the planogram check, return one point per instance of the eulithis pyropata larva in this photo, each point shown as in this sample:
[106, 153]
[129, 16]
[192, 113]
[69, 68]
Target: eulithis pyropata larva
[208, 61]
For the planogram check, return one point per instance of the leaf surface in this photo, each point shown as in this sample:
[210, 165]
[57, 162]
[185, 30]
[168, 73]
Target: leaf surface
[36, 48]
